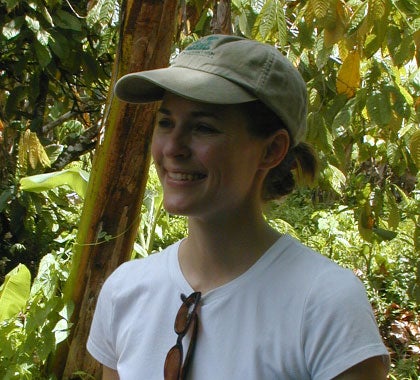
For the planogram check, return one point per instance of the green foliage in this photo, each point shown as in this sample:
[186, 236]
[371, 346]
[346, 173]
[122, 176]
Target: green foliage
[14, 293]
[31, 222]
[360, 61]
[76, 179]
[55, 67]
[28, 338]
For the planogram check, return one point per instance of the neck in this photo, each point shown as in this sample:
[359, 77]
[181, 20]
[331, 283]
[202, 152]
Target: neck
[218, 251]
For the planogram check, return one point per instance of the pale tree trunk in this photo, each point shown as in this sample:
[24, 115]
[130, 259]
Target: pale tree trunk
[118, 178]
[221, 22]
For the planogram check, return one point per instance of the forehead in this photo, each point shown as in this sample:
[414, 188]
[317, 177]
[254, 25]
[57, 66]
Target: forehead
[176, 105]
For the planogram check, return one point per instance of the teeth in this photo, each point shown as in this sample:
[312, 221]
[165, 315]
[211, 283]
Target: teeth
[185, 176]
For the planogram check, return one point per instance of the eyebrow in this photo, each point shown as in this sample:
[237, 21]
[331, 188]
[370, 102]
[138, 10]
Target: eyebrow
[197, 114]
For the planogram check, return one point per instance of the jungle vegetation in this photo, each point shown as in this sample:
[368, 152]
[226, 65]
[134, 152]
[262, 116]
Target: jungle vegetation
[78, 196]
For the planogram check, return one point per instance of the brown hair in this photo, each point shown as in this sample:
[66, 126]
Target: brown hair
[300, 164]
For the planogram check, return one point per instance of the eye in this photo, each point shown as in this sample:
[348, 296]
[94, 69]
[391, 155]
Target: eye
[206, 129]
[164, 123]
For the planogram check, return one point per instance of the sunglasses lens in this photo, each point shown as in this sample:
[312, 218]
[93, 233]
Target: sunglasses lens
[173, 363]
[182, 319]
[185, 313]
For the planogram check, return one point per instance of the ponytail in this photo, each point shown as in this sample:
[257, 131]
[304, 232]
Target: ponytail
[300, 165]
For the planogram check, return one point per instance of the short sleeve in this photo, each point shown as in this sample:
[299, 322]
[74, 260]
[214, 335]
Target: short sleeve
[338, 326]
[101, 344]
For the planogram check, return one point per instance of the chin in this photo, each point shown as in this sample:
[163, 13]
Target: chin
[176, 209]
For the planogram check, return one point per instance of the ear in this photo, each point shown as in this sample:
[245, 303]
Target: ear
[276, 149]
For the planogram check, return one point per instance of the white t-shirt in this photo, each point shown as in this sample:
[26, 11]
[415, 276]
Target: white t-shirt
[294, 315]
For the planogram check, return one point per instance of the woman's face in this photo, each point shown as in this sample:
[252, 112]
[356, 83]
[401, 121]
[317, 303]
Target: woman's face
[207, 161]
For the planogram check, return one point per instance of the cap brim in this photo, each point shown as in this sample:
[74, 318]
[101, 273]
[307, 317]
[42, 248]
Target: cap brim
[149, 86]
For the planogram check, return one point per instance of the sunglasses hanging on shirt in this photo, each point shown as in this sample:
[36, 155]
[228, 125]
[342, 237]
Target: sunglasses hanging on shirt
[187, 318]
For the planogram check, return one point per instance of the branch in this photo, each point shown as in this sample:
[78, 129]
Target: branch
[67, 116]
[77, 147]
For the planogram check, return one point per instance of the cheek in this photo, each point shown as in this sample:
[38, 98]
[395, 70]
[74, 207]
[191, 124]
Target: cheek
[205, 153]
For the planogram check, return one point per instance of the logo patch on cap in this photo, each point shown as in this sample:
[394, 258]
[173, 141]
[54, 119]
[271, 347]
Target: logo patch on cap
[203, 44]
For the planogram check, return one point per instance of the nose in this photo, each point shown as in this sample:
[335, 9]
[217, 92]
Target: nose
[177, 143]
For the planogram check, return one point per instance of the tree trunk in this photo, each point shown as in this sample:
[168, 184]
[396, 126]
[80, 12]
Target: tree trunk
[221, 22]
[118, 178]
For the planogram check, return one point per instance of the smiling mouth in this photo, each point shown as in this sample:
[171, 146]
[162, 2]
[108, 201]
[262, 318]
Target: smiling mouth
[186, 176]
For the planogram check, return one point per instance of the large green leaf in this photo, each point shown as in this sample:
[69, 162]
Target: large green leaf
[335, 178]
[43, 54]
[106, 43]
[379, 108]
[102, 12]
[409, 7]
[320, 8]
[281, 27]
[393, 154]
[47, 270]
[32, 23]
[66, 20]
[394, 213]
[323, 53]
[401, 46]
[76, 179]
[5, 197]
[90, 66]
[15, 291]
[357, 18]
[10, 4]
[402, 101]
[415, 148]
[12, 28]
[16, 96]
[384, 234]
[343, 118]
[366, 222]
[378, 12]
[43, 10]
[59, 45]
[266, 20]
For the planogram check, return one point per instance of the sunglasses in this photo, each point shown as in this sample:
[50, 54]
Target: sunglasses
[186, 318]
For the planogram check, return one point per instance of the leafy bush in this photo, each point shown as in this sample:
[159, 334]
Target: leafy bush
[29, 337]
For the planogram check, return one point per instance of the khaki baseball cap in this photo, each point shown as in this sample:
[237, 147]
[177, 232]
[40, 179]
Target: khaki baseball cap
[223, 69]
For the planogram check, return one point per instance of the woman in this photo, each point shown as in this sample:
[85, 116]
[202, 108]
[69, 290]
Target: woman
[238, 300]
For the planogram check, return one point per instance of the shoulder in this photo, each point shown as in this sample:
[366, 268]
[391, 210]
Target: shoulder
[295, 251]
[337, 323]
[326, 280]
[313, 282]
[308, 267]
[133, 274]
